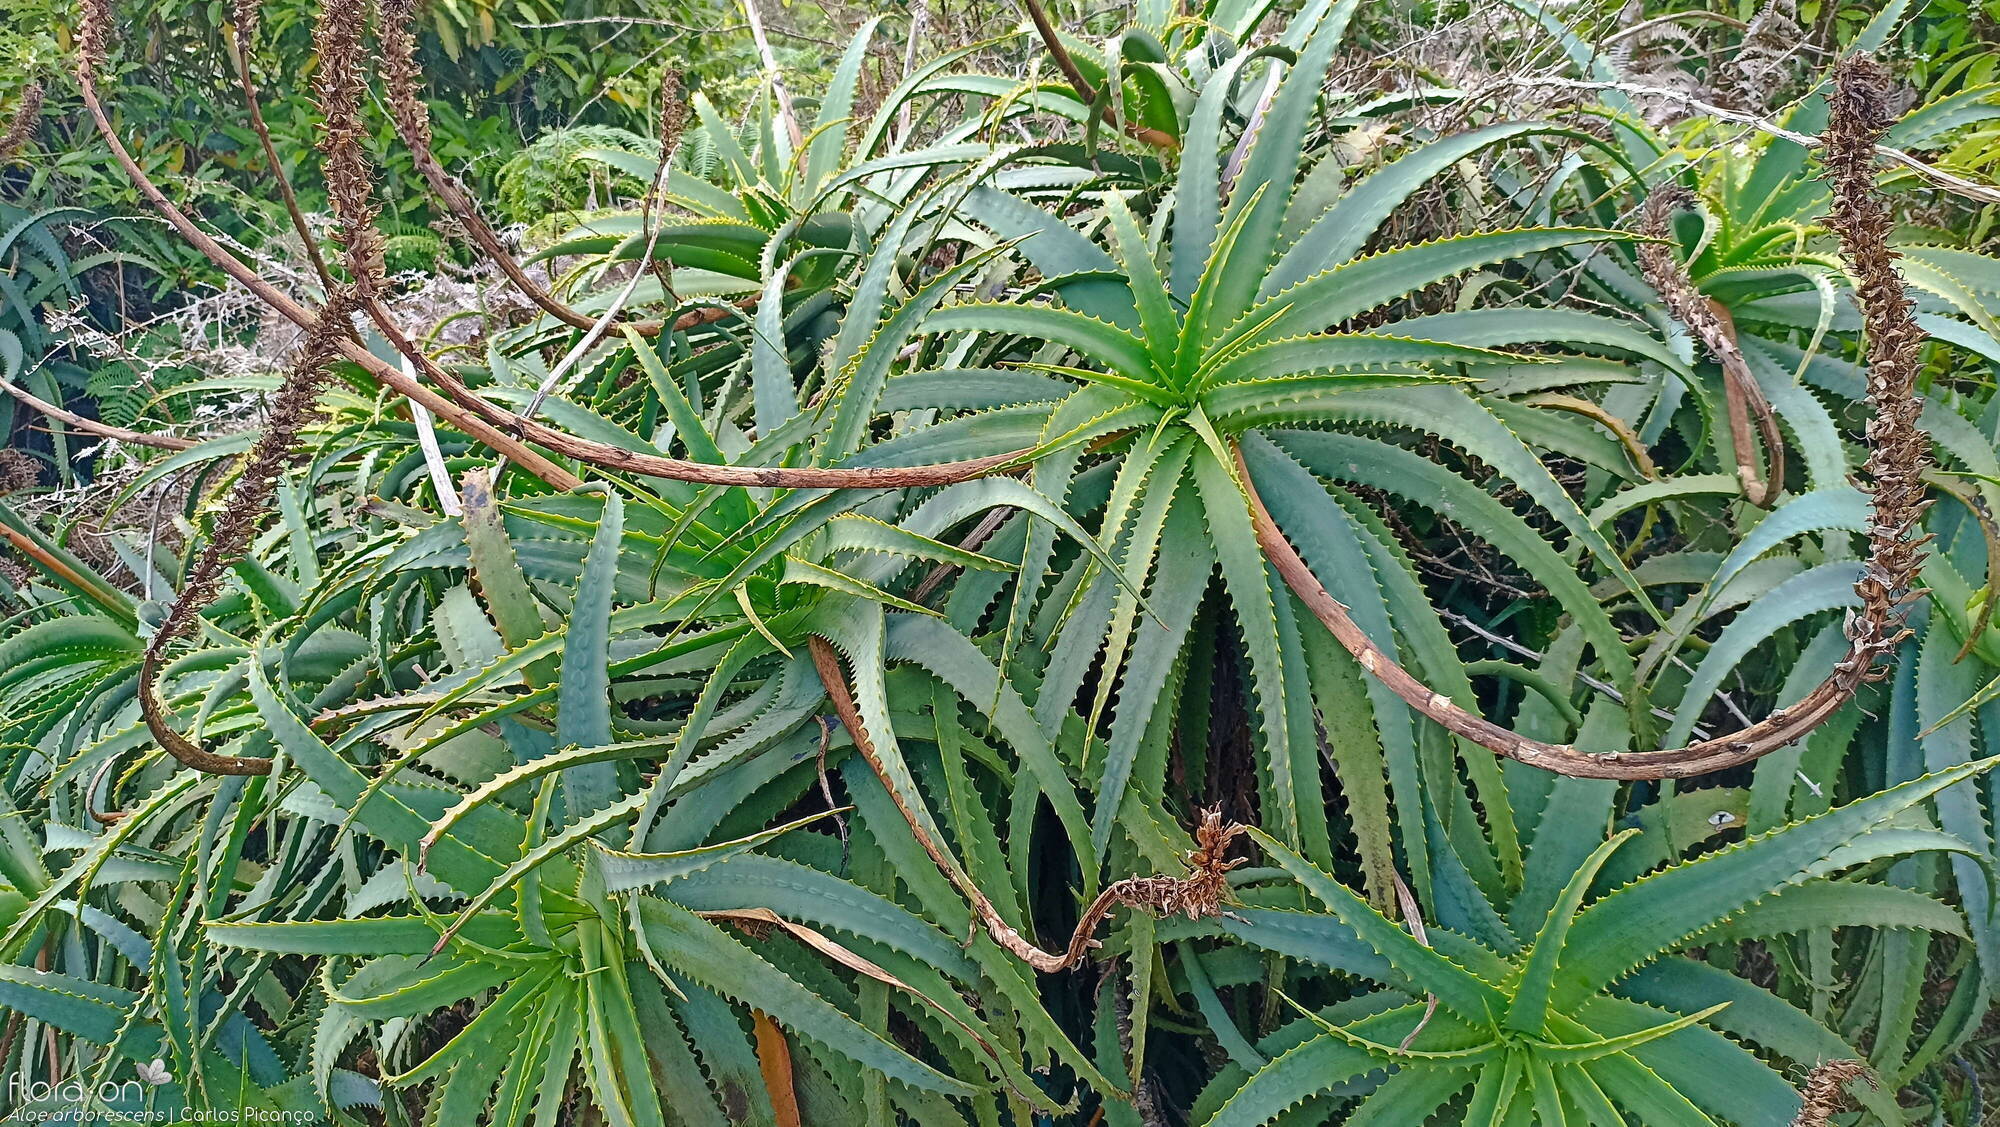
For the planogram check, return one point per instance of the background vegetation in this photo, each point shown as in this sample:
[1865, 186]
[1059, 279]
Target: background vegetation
[603, 564]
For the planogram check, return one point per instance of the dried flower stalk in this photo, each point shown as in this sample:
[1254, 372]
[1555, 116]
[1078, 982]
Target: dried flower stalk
[27, 115]
[1898, 449]
[401, 81]
[295, 404]
[496, 427]
[673, 122]
[249, 17]
[340, 84]
[1824, 1093]
[1897, 454]
[1711, 324]
[1203, 892]
[348, 182]
[92, 36]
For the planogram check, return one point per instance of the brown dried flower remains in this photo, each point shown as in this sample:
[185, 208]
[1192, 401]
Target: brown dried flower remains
[1898, 448]
[1709, 321]
[243, 511]
[92, 35]
[249, 17]
[1824, 1095]
[1202, 892]
[340, 85]
[18, 471]
[27, 115]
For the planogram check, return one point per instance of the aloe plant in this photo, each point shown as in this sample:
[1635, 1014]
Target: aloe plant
[748, 802]
[1555, 1011]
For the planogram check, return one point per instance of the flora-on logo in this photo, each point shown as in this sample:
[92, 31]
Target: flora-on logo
[75, 1093]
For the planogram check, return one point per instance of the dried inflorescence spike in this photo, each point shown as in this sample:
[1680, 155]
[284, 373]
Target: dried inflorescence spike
[1205, 890]
[401, 81]
[249, 18]
[27, 115]
[93, 35]
[1202, 893]
[18, 471]
[401, 77]
[673, 112]
[1823, 1095]
[1711, 324]
[1898, 449]
[340, 85]
[673, 122]
[242, 512]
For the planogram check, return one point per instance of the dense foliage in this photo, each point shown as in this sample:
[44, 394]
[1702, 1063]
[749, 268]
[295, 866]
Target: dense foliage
[1131, 572]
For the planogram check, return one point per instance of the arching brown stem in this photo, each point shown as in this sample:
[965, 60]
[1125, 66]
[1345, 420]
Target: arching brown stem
[102, 817]
[90, 48]
[248, 19]
[294, 405]
[400, 79]
[413, 125]
[1201, 893]
[95, 426]
[1084, 91]
[1896, 454]
[496, 427]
